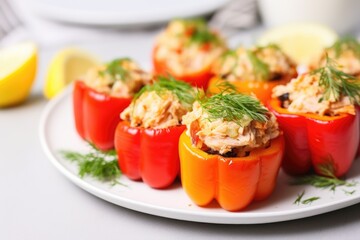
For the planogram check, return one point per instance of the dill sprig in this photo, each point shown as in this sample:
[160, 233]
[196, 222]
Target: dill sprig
[300, 196]
[100, 165]
[349, 192]
[322, 182]
[183, 91]
[328, 180]
[337, 83]
[200, 32]
[116, 70]
[226, 87]
[310, 200]
[235, 107]
[261, 69]
[346, 43]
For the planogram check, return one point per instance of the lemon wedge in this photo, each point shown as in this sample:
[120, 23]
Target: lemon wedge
[66, 66]
[17, 72]
[301, 41]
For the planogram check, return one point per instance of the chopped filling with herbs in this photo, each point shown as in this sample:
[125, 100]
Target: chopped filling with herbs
[188, 46]
[260, 63]
[160, 105]
[346, 51]
[325, 91]
[230, 124]
[119, 78]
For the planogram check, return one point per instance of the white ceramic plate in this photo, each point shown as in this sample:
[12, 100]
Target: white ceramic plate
[123, 12]
[57, 132]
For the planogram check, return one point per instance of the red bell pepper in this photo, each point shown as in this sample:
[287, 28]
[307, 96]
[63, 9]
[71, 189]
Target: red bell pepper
[148, 154]
[97, 115]
[198, 78]
[320, 142]
[233, 181]
[194, 34]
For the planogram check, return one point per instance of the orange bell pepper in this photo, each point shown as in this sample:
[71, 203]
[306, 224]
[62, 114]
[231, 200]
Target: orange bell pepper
[233, 181]
[261, 89]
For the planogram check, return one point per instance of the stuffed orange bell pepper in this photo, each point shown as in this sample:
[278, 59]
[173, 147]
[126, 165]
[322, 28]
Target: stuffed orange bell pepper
[101, 96]
[186, 49]
[256, 71]
[231, 151]
[320, 122]
[147, 140]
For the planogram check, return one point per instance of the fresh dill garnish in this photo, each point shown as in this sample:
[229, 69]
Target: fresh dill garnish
[226, 87]
[229, 53]
[199, 32]
[310, 200]
[299, 198]
[100, 165]
[337, 83]
[328, 180]
[183, 91]
[349, 192]
[116, 70]
[346, 43]
[235, 107]
[322, 182]
[261, 69]
[201, 35]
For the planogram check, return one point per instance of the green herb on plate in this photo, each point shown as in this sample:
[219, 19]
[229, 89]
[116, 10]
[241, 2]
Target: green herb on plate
[299, 200]
[310, 200]
[100, 165]
[299, 197]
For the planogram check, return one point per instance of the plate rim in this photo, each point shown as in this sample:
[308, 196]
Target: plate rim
[185, 215]
[91, 17]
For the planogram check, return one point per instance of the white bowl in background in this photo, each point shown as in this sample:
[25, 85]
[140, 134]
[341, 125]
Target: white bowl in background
[341, 15]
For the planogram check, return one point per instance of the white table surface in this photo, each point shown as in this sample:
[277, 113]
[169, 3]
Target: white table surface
[37, 202]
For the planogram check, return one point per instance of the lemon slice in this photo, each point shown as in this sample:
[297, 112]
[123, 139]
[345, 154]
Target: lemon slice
[17, 73]
[66, 66]
[301, 41]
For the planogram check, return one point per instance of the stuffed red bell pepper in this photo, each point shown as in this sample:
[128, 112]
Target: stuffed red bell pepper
[101, 95]
[147, 140]
[257, 70]
[186, 49]
[231, 151]
[346, 51]
[320, 122]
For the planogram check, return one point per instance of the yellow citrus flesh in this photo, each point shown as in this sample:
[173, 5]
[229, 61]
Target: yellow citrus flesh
[18, 65]
[66, 66]
[301, 41]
